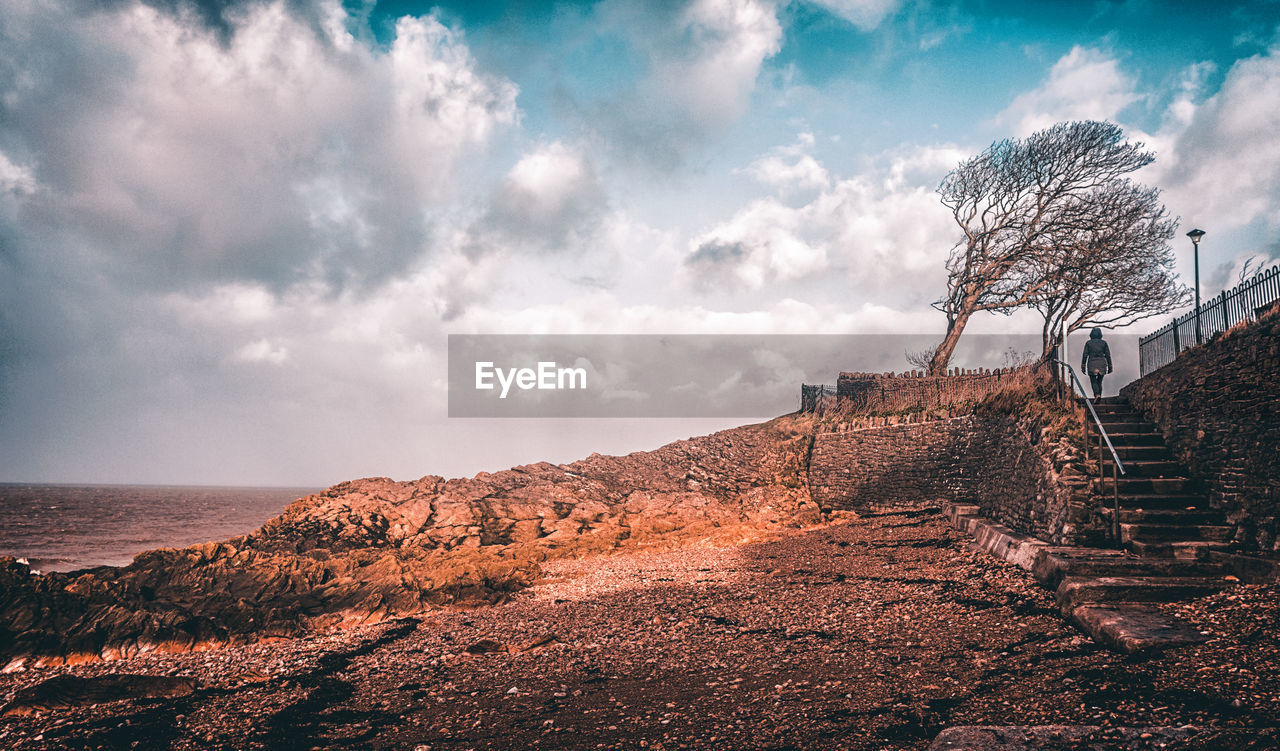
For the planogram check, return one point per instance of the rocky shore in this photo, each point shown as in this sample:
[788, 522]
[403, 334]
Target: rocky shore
[864, 632]
[693, 596]
[374, 549]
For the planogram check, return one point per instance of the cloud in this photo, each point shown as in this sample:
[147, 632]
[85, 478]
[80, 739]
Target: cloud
[1191, 88]
[15, 179]
[872, 231]
[250, 230]
[1085, 84]
[551, 198]
[1216, 159]
[714, 77]
[764, 242]
[699, 62]
[865, 14]
[262, 350]
[1223, 160]
[602, 312]
[302, 386]
[198, 226]
[791, 168]
[442, 101]
[278, 154]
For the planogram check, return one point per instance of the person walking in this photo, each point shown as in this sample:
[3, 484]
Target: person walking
[1096, 361]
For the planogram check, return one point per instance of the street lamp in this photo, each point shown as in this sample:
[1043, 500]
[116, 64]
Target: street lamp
[1195, 236]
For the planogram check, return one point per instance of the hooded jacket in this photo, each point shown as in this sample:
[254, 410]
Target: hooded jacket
[1096, 358]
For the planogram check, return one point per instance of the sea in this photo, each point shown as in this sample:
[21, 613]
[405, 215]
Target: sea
[70, 527]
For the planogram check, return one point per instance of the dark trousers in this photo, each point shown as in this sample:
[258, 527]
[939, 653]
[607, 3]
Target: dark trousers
[1095, 379]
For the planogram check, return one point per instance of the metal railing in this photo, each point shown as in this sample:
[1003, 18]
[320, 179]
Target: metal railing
[1219, 313]
[812, 395]
[1117, 466]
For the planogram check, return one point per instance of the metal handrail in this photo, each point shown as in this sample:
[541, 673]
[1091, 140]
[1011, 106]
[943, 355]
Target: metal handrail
[1117, 468]
[1101, 430]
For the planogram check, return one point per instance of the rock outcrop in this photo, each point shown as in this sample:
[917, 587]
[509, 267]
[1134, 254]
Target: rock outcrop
[370, 549]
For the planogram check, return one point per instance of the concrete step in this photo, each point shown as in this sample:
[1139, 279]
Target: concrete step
[1143, 467]
[1176, 532]
[1161, 501]
[1100, 738]
[953, 511]
[1128, 627]
[1052, 560]
[1135, 453]
[1143, 485]
[1128, 426]
[1074, 591]
[1097, 588]
[1054, 565]
[1114, 409]
[1165, 516]
[1184, 550]
[1250, 569]
[1135, 439]
[1107, 416]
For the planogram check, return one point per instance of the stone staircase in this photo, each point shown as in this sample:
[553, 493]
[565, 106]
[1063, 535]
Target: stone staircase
[1173, 545]
[1162, 512]
[1167, 534]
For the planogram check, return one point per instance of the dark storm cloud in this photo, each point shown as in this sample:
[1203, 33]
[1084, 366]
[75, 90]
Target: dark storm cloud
[714, 264]
[715, 252]
[150, 162]
[286, 154]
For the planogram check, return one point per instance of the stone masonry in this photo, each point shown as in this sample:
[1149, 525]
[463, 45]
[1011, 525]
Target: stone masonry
[994, 460]
[896, 465]
[1218, 407]
[871, 393]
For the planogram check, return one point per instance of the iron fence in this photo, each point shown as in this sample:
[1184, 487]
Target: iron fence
[1241, 303]
[814, 395]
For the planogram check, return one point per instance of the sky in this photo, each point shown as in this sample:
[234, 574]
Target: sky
[235, 234]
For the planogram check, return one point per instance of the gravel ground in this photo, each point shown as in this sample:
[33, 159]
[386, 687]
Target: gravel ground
[871, 632]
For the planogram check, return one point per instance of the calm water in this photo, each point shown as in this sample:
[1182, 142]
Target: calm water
[66, 527]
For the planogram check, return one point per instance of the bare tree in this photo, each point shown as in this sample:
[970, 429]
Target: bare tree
[1109, 274]
[920, 358]
[1252, 267]
[1015, 359]
[1018, 198]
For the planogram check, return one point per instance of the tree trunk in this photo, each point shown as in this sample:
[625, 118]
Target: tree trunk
[1048, 337]
[942, 356]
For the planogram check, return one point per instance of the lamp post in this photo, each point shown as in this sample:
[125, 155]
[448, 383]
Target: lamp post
[1195, 236]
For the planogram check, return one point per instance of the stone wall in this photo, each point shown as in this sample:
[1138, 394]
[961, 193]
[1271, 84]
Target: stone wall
[1021, 477]
[870, 393]
[896, 465]
[1218, 406]
[995, 460]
